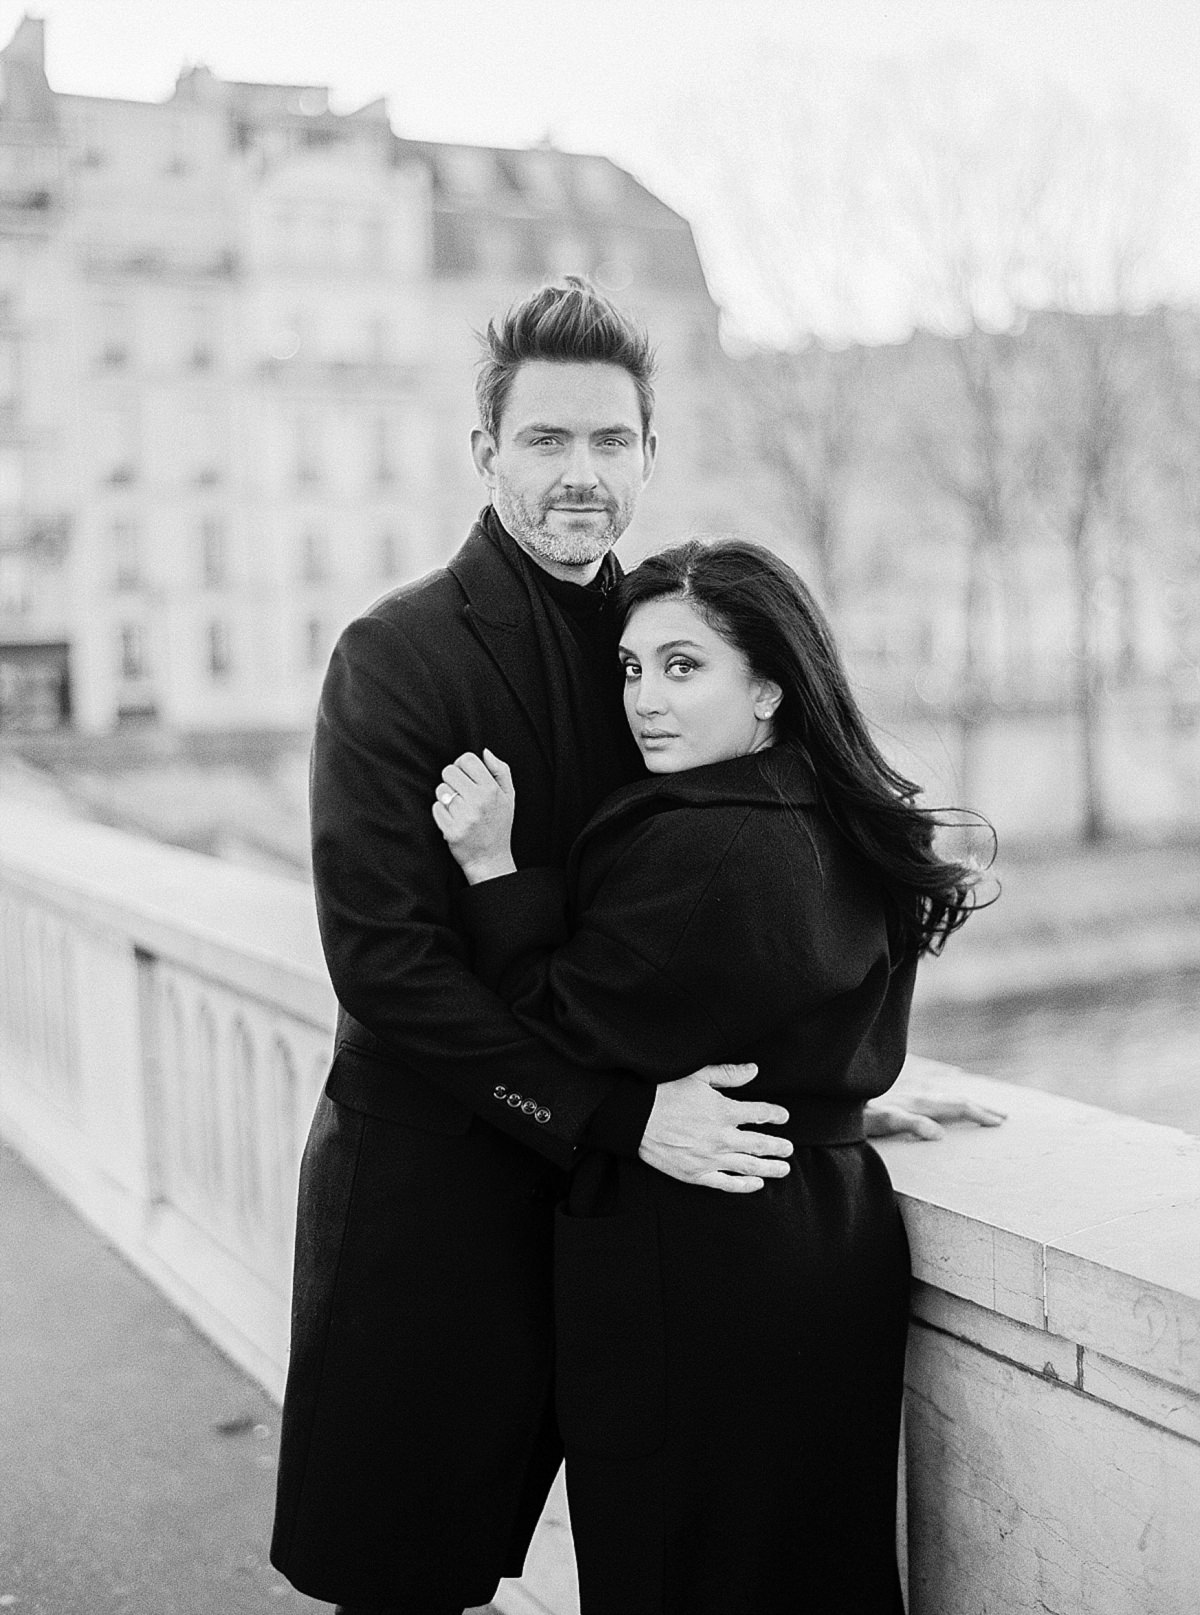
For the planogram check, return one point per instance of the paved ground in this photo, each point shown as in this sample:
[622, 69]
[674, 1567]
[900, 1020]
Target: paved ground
[137, 1465]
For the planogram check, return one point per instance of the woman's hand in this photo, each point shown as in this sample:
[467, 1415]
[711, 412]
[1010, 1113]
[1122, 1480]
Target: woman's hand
[474, 811]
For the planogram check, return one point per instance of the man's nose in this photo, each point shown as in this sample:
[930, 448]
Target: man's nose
[579, 470]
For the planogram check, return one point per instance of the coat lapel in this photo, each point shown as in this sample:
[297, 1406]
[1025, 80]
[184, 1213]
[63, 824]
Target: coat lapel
[498, 614]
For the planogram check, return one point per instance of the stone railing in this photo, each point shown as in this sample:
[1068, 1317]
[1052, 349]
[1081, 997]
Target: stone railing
[164, 1028]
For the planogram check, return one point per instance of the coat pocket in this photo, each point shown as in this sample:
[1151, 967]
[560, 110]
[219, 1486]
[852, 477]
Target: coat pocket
[611, 1356]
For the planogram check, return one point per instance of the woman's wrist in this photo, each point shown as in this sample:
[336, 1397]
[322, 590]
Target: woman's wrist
[481, 869]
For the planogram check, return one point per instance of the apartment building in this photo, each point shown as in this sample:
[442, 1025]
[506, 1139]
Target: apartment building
[236, 349]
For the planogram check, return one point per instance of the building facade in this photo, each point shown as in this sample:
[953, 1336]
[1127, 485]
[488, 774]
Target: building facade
[236, 350]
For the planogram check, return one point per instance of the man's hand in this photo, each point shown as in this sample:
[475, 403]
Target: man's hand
[694, 1132]
[915, 1115]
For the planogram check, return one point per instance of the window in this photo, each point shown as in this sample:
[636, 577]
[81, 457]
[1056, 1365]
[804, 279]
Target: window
[14, 583]
[389, 553]
[201, 446]
[468, 170]
[127, 557]
[131, 651]
[201, 346]
[213, 559]
[379, 452]
[114, 336]
[598, 182]
[219, 658]
[499, 248]
[314, 642]
[306, 465]
[117, 434]
[10, 373]
[314, 558]
[12, 477]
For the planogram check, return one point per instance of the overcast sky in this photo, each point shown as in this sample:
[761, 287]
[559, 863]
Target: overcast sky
[602, 75]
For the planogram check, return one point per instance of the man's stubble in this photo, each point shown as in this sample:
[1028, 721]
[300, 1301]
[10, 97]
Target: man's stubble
[529, 523]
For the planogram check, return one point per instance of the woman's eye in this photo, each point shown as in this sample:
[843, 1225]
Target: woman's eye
[630, 671]
[680, 666]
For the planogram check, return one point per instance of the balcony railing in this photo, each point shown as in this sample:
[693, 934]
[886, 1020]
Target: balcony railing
[164, 1028]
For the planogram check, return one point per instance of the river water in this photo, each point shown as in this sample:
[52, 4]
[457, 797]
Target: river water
[1131, 1046]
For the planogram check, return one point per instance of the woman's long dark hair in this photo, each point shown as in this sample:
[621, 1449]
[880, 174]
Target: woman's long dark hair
[760, 605]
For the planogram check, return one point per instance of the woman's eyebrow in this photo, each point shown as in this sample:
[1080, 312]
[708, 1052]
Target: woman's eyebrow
[671, 644]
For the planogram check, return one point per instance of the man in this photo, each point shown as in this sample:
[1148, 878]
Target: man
[419, 1437]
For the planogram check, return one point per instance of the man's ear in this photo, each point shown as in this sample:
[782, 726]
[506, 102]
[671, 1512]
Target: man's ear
[649, 454]
[483, 452]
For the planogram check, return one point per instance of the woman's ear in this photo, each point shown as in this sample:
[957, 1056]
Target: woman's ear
[767, 696]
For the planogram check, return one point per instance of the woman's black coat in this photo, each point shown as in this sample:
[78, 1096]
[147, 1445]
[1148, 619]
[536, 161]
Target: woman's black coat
[717, 915]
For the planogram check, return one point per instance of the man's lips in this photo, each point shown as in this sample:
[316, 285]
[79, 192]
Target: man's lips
[657, 734]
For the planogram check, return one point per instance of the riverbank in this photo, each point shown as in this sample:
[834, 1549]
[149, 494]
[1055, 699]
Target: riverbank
[1071, 916]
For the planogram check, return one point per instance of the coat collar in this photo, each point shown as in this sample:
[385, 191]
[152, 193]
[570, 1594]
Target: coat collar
[781, 776]
[496, 595]
[499, 613]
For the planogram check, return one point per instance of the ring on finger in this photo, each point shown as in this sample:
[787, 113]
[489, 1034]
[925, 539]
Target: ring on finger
[446, 794]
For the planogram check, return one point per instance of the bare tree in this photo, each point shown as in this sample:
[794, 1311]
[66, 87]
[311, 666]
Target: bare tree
[784, 210]
[946, 197]
[804, 410]
[1013, 198]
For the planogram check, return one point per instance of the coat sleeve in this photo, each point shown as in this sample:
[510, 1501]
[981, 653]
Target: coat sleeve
[626, 986]
[385, 885]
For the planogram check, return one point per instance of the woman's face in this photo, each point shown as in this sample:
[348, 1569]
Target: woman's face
[690, 696]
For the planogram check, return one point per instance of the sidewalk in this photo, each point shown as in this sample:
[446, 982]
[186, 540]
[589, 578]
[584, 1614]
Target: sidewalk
[137, 1465]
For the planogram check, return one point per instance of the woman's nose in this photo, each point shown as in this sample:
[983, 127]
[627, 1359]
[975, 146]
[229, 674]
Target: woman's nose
[649, 698]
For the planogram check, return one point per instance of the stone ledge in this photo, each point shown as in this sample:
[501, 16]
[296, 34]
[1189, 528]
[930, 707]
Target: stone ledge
[1060, 1362]
[1068, 1220]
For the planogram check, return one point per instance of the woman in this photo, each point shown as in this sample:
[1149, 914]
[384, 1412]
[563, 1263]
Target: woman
[763, 895]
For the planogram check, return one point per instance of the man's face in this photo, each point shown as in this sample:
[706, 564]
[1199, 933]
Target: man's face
[568, 462]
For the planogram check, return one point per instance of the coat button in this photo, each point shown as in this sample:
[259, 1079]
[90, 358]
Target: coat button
[542, 1115]
[514, 1100]
[499, 1091]
[529, 1107]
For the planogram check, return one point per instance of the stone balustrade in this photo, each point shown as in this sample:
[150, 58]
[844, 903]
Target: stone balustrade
[165, 1026]
[164, 1029]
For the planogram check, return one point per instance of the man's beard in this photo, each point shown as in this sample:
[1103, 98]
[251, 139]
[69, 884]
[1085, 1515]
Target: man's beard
[529, 524]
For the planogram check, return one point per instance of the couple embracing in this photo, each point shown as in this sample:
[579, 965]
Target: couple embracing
[623, 909]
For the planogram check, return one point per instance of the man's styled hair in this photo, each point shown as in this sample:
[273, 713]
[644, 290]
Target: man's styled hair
[568, 324]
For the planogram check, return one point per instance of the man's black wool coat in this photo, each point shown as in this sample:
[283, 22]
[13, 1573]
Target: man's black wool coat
[418, 1434]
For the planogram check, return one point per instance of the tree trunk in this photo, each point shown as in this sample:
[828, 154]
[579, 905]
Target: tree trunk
[1094, 825]
[969, 699]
